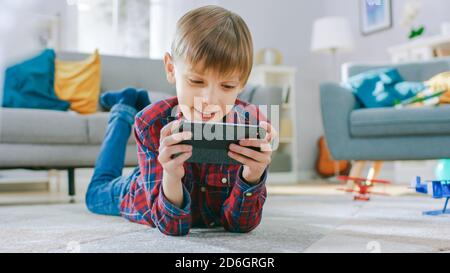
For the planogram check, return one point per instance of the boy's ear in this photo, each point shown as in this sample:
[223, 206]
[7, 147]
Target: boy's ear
[170, 68]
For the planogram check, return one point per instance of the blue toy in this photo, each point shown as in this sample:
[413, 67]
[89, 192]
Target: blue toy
[440, 190]
[442, 170]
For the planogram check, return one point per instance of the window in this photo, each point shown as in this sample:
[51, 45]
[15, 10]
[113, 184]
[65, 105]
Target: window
[115, 27]
[138, 28]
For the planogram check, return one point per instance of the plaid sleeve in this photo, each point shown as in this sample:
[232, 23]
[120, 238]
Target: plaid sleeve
[150, 201]
[242, 211]
[170, 219]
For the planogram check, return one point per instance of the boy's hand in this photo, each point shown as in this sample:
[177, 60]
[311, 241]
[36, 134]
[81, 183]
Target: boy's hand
[254, 162]
[169, 146]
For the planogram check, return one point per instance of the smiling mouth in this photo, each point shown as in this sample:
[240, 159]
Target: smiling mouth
[205, 115]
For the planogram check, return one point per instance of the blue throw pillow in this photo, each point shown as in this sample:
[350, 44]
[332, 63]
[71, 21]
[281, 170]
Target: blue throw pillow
[369, 87]
[382, 87]
[30, 84]
[406, 90]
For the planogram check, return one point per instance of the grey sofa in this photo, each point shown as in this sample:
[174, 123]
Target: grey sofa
[385, 134]
[46, 139]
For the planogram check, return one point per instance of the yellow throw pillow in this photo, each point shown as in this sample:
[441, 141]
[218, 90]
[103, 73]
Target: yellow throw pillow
[79, 83]
[441, 82]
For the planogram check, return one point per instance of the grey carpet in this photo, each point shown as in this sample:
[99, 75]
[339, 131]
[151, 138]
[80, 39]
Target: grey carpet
[290, 224]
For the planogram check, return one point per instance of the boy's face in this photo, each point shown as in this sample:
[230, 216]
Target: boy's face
[202, 95]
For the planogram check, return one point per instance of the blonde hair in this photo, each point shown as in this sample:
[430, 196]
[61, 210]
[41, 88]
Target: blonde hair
[216, 39]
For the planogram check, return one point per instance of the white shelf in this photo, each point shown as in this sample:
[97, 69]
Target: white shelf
[421, 49]
[433, 41]
[282, 76]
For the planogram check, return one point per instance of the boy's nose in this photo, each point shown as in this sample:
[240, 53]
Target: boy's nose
[206, 102]
[208, 97]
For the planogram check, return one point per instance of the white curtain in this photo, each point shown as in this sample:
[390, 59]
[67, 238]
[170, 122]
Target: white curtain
[116, 27]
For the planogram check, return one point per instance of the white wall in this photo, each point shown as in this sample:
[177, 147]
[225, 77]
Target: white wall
[373, 47]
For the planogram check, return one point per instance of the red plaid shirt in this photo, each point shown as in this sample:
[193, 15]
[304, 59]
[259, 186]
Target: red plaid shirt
[213, 195]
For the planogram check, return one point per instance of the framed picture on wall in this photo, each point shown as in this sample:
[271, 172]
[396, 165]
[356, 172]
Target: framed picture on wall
[375, 16]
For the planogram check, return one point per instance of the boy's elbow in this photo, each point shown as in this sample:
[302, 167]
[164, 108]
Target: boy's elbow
[183, 232]
[171, 225]
[178, 230]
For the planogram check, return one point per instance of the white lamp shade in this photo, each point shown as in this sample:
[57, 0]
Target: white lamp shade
[330, 34]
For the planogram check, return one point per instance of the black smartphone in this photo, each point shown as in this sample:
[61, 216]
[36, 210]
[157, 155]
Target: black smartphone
[211, 140]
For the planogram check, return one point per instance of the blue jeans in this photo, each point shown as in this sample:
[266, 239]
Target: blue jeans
[107, 183]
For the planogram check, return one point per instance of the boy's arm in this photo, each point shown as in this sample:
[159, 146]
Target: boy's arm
[242, 211]
[155, 209]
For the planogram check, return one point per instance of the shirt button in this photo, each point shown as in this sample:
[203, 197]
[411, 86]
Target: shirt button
[202, 189]
[224, 180]
[248, 194]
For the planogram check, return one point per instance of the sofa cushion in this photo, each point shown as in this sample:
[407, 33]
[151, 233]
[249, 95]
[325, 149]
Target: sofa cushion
[382, 87]
[96, 124]
[37, 126]
[391, 122]
[56, 155]
[79, 83]
[30, 84]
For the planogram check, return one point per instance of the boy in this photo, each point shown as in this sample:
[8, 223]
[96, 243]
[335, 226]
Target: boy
[210, 62]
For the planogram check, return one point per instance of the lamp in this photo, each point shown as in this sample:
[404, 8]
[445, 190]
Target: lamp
[332, 34]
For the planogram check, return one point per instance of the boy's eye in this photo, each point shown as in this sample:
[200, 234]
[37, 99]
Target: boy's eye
[195, 81]
[229, 86]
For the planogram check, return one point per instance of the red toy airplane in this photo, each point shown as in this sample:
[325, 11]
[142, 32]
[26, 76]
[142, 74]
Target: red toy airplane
[361, 187]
